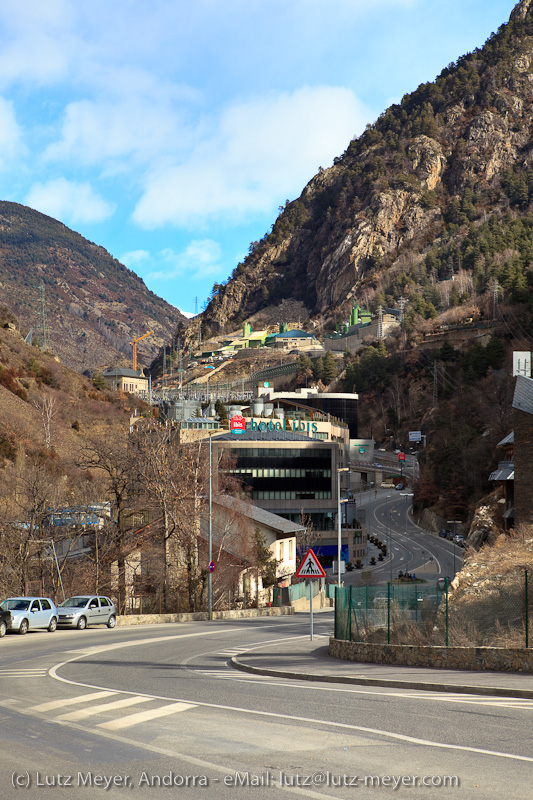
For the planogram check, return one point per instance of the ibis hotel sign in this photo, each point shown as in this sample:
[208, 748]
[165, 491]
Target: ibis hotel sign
[238, 425]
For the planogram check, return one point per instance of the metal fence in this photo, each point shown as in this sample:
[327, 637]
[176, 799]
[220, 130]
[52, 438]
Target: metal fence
[499, 615]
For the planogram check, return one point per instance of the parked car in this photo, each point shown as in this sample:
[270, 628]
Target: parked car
[30, 613]
[87, 609]
[399, 487]
[5, 621]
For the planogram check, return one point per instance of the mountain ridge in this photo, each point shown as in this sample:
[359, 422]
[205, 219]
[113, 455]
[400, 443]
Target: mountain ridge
[425, 175]
[94, 305]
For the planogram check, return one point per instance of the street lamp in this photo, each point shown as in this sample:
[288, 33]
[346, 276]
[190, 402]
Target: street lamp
[406, 494]
[339, 470]
[210, 542]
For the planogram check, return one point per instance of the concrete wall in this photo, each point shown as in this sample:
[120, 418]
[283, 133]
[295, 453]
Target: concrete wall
[472, 658]
[201, 616]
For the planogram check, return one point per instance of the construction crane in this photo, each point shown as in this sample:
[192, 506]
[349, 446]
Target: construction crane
[134, 344]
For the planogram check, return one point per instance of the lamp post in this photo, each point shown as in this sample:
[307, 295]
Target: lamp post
[210, 537]
[406, 494]
[339, 542]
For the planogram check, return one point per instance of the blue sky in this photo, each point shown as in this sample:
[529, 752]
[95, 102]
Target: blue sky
[170, 132]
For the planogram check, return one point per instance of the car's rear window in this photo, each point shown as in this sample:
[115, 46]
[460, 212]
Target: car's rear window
[16, 605]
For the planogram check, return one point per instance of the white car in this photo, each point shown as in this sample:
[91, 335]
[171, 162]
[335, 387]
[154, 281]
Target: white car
[31, 613]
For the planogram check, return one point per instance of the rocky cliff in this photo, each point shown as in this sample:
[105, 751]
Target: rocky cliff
[397, 212]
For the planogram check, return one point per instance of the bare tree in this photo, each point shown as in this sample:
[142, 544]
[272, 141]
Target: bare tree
[111, 457]
[47, 407]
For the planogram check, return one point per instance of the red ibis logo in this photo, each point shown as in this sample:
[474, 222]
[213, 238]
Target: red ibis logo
[237, 424]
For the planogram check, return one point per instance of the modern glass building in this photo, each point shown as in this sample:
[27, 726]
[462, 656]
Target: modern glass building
[287, 473]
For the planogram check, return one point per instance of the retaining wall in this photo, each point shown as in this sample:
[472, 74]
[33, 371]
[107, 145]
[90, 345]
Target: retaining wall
[501, 659]
[201, 616]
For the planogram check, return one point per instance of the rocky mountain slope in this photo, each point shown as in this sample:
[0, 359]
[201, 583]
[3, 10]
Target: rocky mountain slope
[94, 305]
[437, 190]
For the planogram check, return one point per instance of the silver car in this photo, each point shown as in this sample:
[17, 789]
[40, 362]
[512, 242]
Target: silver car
[87, 609]
[31, 613]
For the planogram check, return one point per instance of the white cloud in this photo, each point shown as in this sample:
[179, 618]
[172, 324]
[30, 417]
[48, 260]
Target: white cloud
[10, 134]
[135, 258]
[200, 259]
[37, 41]
[69, 201]
[257, 152]
[133, 125]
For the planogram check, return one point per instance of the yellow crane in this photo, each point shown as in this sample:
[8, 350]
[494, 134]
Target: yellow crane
[134, 343]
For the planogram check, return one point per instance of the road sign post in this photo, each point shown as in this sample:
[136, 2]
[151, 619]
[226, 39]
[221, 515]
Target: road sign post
[310, 569]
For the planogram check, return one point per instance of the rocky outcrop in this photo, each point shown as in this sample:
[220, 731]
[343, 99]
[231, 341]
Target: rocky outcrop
[390, 194]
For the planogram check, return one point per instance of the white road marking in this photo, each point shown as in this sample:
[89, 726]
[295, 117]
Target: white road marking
[23, 673]
[84, 713]
[71, 701]
[304, 720]
[146, 716]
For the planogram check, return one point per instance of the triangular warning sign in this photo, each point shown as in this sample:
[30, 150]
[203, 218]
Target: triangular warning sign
[310, 567]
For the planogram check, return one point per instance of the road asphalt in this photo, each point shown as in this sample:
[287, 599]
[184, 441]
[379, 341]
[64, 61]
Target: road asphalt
[304, 659]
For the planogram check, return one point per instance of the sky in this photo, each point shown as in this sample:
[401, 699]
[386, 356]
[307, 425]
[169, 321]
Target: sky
[171, 132]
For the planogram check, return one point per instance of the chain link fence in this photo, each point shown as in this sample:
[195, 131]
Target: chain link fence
[499, 615]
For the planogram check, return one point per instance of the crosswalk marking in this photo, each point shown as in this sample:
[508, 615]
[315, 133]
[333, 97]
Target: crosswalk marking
[23, 673]
[83, 713]
[145, 716]
[71, 701]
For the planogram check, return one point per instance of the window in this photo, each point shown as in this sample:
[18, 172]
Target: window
[35, 606]
[291, 543]
[104, 602]
[45, 605]
[282, 551]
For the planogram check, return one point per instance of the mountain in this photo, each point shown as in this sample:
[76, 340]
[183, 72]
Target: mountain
[432, 203]
[94, 305]
[40, 397]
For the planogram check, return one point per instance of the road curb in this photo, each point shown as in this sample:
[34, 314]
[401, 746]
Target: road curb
[445, 688]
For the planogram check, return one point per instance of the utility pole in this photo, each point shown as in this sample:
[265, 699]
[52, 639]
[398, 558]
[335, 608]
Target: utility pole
[380, 322]
[496, 289]
[402, 303]
[42, 317]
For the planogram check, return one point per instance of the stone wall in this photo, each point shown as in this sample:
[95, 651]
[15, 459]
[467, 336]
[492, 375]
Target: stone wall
[201, 616]
[473, 658]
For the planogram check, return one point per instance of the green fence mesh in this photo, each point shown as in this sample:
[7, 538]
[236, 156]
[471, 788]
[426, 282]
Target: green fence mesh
[406, 613]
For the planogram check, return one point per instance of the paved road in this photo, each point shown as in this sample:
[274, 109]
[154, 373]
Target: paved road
[410, 547]
[141, 706]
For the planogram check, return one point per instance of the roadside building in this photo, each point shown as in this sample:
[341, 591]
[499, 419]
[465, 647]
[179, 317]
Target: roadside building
[504, 477]
[296, 477]
[292, 340]
[523, 449]
[124, 379]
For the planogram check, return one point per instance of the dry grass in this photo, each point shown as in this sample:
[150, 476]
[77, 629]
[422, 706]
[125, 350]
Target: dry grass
[486, 606]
